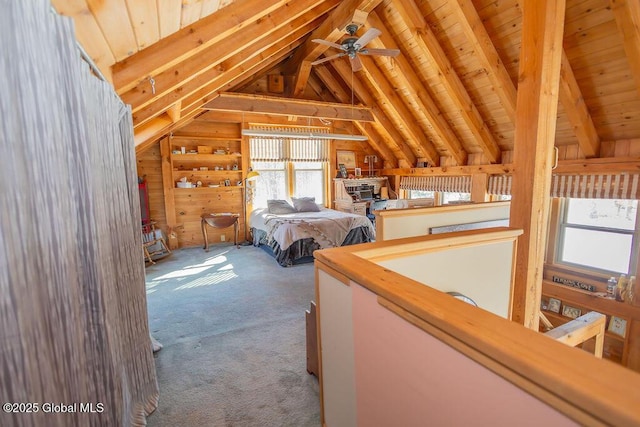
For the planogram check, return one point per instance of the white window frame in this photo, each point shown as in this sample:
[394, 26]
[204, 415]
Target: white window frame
[560, 238]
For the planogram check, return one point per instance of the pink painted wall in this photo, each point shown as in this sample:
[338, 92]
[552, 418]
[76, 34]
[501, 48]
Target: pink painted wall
[406, 377]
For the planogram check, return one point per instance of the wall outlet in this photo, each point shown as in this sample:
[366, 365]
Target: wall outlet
[223, 238]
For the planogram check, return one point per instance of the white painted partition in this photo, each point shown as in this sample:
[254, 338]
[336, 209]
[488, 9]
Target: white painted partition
[399, 223]
[395, 351]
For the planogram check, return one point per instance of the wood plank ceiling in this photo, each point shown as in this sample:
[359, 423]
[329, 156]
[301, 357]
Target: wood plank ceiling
[449, 98]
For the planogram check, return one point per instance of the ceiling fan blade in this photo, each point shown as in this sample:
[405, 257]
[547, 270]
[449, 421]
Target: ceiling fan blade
[328, 58]
[383, 52]
[356, 65]
[371, 34]
[328, 43]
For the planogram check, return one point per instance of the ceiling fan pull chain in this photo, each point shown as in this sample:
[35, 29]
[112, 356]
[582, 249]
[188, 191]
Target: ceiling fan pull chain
[153, 85]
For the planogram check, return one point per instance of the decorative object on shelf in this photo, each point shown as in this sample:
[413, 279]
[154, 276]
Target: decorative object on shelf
[621, 287]
[554, 305]
[571, 312]
[347, 158]
[574, 283]
[370, 159]
[358, 172]
[617, 326]
[342, 172]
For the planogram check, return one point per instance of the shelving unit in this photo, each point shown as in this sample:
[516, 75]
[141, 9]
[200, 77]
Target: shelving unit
[620, 349]
[220, 191]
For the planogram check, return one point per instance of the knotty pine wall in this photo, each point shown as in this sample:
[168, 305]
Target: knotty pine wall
[150, 168]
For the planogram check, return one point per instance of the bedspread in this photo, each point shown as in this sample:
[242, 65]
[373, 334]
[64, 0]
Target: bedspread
[327, 227]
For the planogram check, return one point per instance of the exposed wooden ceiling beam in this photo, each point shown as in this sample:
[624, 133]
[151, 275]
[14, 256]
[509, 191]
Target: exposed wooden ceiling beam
[259, 33]
[396, 141]
[407, 78]
[416, 137]
[627, 13]
[577, 112]
[376, 141]
[332, 29]
[428, 43]
[289, 107]
[570, 94]
[210, 81]
[189, 41]
[238, 76]
[191, 106]
[485, 51]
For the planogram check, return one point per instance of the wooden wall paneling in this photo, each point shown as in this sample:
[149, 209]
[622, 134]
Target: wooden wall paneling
[144, 20]
[536, 108]
[169, 16]
[149, 167]
[191, 203]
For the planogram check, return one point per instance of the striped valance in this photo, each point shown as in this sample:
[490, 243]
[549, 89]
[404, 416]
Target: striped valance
[283, 148]
[602, 186]
[448, 184]
[499, 185]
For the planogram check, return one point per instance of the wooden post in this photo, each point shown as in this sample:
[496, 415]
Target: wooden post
[167, 189]
[536, 108]
[479, 187]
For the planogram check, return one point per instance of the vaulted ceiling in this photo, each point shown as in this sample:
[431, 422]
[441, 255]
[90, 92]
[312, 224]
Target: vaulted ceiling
[449, 98]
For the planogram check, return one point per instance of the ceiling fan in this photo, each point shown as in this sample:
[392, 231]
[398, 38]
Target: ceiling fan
[353, 46]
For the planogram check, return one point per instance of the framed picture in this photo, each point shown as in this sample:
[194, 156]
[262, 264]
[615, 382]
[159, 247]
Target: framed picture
[347, 158]
[571, 312]
[554, 305]
[617, 326]
[342, 171]
[357, 172]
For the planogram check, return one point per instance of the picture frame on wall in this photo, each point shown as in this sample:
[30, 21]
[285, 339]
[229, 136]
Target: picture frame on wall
[617, 326]
[347, 158]
[554, 305]
[571, 312]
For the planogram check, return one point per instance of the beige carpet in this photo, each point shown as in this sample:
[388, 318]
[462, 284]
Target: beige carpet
[232, 325]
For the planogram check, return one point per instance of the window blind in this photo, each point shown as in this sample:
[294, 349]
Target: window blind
[448, 184]
[596, 186]
[289, 149]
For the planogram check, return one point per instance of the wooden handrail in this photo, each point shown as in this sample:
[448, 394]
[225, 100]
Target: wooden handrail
[582, 329]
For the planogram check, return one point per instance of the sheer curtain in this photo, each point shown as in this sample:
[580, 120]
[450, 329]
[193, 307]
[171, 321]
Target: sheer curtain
[73, 315]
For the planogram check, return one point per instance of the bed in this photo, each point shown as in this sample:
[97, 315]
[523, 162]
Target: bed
[291, 238]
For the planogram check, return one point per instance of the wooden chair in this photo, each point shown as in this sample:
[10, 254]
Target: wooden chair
[153, 242]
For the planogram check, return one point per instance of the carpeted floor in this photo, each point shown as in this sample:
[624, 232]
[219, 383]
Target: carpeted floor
[233, 329]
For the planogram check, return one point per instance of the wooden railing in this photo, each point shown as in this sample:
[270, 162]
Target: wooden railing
[582, 329]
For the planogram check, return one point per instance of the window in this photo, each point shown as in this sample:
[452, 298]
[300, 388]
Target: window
[599, 234]
[451, 198]
[419, 194]
[289, 168]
